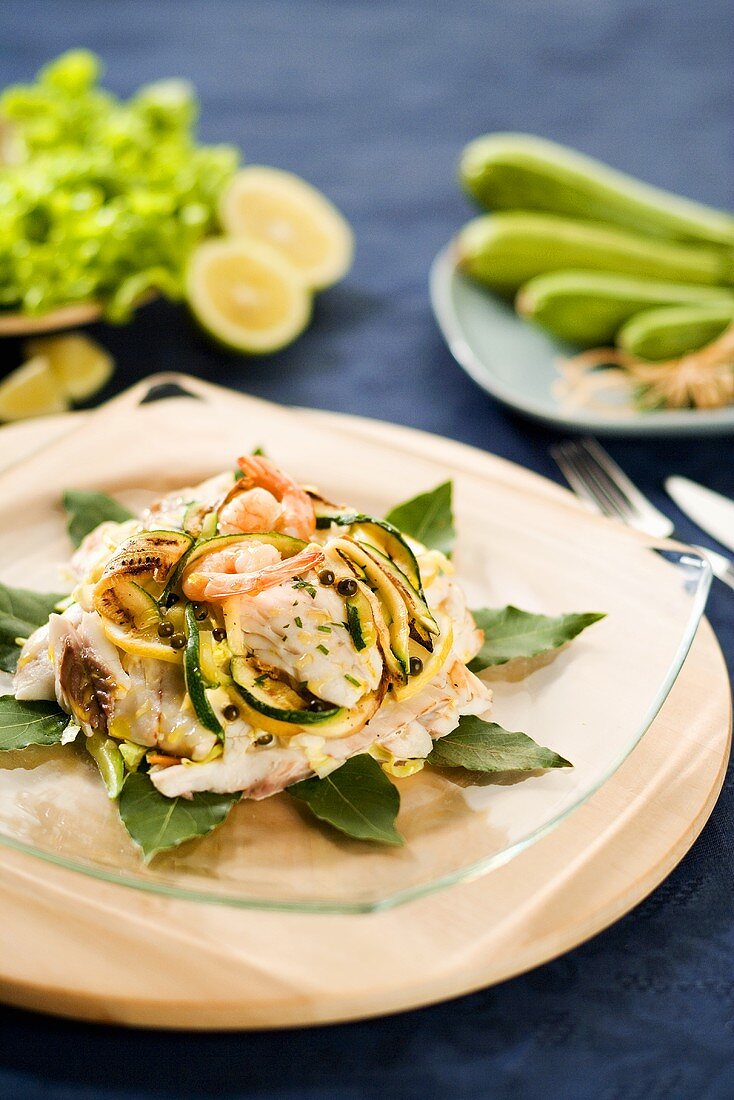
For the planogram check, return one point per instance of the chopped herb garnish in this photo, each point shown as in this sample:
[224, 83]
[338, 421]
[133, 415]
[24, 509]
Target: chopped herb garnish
[261, 679]
[309, 588]
[299, 622]
[323, 649]
[324, 629]
[352, 680]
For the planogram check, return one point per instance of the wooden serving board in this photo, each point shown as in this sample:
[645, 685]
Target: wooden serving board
[88, 949]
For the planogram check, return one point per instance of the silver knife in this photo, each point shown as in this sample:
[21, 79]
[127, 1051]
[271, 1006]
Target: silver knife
[713, 512]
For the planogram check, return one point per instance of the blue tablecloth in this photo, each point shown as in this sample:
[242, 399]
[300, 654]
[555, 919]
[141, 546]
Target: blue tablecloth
[373, 101]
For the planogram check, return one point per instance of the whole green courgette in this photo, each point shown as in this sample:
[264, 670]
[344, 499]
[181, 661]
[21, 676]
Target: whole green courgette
[588, 307]
[674, 331]
[506, 250]
[522, 172]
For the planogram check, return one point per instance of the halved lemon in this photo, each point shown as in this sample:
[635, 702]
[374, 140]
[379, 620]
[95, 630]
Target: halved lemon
[81, 365]
[282, 210]
[246, 295]
[31, 390]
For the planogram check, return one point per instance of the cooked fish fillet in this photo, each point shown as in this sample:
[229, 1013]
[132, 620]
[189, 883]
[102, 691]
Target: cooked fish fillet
[154, 710]
[87, 668]
[298, 629]
[168, 511]
[295, 629]
[35, 677]
[403, 726]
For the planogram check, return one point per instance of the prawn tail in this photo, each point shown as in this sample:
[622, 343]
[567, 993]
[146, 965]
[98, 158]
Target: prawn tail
[287, 569]
[219, 586]
[261, 471]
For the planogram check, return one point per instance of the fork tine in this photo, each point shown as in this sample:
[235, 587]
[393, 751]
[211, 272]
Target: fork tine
[566, 461]
[600, 477]
[616, 477]
[642, 513]
[581, 477]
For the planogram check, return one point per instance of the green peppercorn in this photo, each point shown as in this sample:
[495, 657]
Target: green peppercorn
[317, 705]
[347, 587]
[231, 712]
[326, 577]
[178, 641]
[219, 634]
[200, 613]
[416, 666]
[165, 630]
[171, 599]
[264, 739]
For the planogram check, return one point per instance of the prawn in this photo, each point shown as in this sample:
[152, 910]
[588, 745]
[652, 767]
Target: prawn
[236, 572]
[268, 501]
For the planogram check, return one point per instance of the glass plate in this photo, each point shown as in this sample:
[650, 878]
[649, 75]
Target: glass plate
[515, 361]
[591, 704]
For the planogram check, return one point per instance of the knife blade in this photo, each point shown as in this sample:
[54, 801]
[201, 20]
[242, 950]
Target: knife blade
[713, 512]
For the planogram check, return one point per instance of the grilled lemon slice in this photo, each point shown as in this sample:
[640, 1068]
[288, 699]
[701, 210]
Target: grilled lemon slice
[432, 663]
[283, 211]
[246, 295]
[140, 645]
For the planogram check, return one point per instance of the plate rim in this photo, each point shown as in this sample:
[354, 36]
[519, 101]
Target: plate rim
[127, 403]
[442, 273]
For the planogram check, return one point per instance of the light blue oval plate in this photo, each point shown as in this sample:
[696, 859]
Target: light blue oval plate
[517, 363]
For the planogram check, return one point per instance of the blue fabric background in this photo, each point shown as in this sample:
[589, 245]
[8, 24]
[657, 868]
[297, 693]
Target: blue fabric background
[373, 101]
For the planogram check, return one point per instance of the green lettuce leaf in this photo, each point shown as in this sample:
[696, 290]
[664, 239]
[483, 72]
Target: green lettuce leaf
[428, 518]
[481, 746]
[29, 722]
[21, 612]
[157, 823]
[357, 798]
[510, 633]
[86, 510]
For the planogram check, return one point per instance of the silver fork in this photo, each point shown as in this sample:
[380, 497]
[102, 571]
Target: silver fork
[597, 479]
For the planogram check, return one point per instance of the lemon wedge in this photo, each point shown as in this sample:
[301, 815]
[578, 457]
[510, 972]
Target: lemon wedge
[31, 390]
[246, 295]
[80, 364]
[282, 210]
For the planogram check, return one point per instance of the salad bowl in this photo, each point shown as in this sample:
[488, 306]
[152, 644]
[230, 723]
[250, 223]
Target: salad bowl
[591, 704]
[22, 324]
[73, 316]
